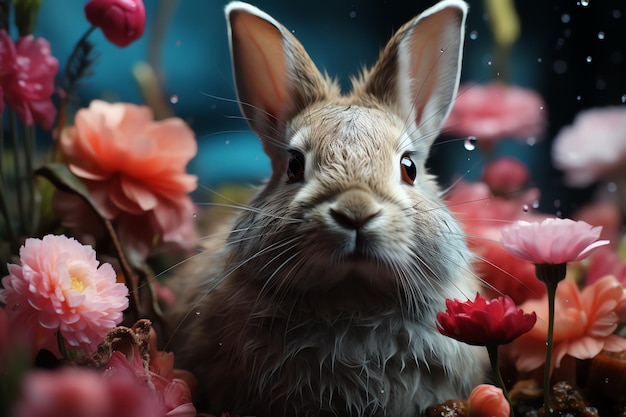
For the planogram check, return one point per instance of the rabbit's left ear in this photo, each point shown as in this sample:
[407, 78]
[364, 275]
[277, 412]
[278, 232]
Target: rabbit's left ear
[418, 72]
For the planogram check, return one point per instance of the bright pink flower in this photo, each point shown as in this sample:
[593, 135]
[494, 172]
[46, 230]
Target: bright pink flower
[488, 401]
[73, 391]
[27, 71]
[584, 324]
[121, 21]
[495, 111]
[586, 160]
[482, 322]
[505, 175]
[134, 168]
[482, 217]
[60, 286]
[553, 241]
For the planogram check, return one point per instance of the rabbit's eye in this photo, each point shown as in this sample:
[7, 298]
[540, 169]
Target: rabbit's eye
[295, 169]
[409, 170]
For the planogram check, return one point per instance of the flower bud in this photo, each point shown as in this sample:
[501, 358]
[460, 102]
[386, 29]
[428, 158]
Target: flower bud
[121, 21]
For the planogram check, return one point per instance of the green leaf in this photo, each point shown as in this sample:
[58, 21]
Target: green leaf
[61, 176]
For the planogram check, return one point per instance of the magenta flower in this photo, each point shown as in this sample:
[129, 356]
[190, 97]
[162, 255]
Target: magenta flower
[60, 286]
[553, 241]
[482, 322]
[122, 21]
[27, 71]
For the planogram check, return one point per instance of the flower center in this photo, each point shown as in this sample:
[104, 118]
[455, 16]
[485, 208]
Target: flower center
[77, 284]
[79, 274]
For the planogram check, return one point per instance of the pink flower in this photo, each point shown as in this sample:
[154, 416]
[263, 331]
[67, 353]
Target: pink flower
[121, 21]
[60, 286]
[553, 241]
[488, 401]
[482, 217]
[505, 175]
[134, 168]
[80, 392]
[495, 111]
[484, 323]
[606, 262]
[593, 147]
[583, 325]
[27, 71]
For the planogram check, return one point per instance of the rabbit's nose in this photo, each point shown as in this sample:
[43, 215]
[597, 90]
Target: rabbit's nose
[353, 209]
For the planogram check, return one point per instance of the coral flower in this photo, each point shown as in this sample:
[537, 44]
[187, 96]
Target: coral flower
[505, 175]
[27, 71]
[61, 286]
[553, 241]
[482, 322]
[584, 323]
[122, 21]
[134, 168]
[585, 161]
[73, 391]
[494, 111]
[488, 401]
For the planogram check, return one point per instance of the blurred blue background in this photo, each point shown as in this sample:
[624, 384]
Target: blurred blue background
[186, 42]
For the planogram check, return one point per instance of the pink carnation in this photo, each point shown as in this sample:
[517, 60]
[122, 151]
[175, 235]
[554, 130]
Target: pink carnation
[134, 168]
[593, 147]
[584, 324]
[60, 286]
[27, 71]
[495, 111]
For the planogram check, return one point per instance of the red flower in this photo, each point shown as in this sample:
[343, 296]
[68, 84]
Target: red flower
[484, 323]
[27, 71]
[122, 21]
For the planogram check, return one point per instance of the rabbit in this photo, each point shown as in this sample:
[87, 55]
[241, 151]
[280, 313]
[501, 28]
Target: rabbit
[323, 298]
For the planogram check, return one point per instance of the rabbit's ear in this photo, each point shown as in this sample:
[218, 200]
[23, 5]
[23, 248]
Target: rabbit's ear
[274, 76]
[418, 71]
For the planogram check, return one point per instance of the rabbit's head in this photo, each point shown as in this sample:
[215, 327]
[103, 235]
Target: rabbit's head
[350, 206]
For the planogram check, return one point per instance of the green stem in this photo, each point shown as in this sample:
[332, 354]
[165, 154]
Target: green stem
[551, 287]
[4, 206]
[19, 177]
[492, 350]
[33, 197]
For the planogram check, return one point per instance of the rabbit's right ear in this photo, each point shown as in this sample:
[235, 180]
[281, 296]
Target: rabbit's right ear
[274, 76]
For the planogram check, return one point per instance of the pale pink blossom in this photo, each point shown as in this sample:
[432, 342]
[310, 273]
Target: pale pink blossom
[61, 286]
[27, 71]
[552, 241]
[488, 401]
[496, 111]
[483, 216]
[584, 324]
[80, 392]
[134, 169]
[593, 147]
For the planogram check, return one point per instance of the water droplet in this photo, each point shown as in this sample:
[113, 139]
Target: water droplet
[442, 50]
[531, 141]
[578, 98]
[540, 60]
[589, 58]
[197, 312]
[606, 380]
[489, 63]
[352, 14]
[611, 187]
[473, 35]
[227, 142]
[600, 35]
[565, 18]
[535, 204]
[557, 203]
[525, 208]
[470, 143]
[221, 344]
[16, 307]
[623, 98]
[584, 3]
[174, 99]
[382, 391]
[617, 13]
[540, 107]
[194, 215]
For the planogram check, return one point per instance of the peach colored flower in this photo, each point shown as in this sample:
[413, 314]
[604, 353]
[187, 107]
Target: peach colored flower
[60, 286]
[552, 241]
[593, 147]
[134, 168]
[584, 323]
[81, 392]
[488, 401]
[482, 217]
[505, 175]
[27, 71]
[495, 111]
